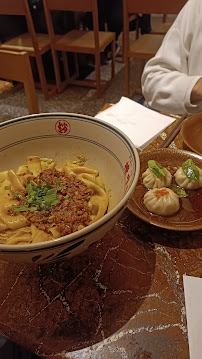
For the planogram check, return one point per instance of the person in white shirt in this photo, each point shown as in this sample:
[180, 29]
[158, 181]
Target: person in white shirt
[172, 79]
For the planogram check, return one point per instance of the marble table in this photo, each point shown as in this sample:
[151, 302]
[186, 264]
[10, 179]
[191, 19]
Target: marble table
[123, 298]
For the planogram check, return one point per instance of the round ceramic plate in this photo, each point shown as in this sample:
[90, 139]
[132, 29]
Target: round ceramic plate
[191, 132]
[189, 217]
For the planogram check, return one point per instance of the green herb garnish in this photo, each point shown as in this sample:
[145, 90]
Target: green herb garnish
[47, 161]
[190, 170]
[178, 190]
[6, 187]
[50, 199]
[65, 212]
[39, 197]
[58, 183]
[63, 189]
[156, 168]
[67, 196]
[20, 208]
[80, 160]
[46, 182]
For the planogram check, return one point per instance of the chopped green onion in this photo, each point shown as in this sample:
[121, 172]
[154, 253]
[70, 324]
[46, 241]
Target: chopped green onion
[33, 209]
[20, 208]
[156, 168]
[39, 197]
[47, 183]
[190, 170]
[178, 190]
[58, 183]
[47, 161]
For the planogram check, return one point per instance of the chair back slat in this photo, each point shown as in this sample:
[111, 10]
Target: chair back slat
[20, 7]
[15, 66]
[12, 7]
[78, 41]
[155, 6]
[70, 5]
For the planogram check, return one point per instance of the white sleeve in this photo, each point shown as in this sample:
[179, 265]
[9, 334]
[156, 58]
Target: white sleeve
[167, 81]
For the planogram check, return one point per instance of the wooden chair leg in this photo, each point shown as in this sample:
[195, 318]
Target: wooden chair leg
[31, 97]
[30, 88]
[42, 77]
[65, 65]
[113, 59]
[138, 89]
[76, 61]
[127, 76]
[57, 70]
[97, 73]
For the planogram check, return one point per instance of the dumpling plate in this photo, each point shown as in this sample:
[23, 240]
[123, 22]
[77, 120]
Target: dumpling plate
[189, 217]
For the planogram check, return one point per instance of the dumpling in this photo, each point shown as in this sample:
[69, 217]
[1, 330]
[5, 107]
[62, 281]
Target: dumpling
[189, 176]
[162, 201]
[150, 180]
[156, 176]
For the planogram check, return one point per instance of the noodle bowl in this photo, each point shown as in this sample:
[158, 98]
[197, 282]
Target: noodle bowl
[54, 141]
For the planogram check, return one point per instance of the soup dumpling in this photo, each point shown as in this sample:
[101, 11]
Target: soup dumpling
[156, 176]
[162, 201]
[189, 176]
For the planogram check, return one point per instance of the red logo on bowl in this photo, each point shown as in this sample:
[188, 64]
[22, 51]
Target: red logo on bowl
[62, 127]
[127, 179]
[126, 168]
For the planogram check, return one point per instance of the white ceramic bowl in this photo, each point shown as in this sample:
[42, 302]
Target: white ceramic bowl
[61, 136]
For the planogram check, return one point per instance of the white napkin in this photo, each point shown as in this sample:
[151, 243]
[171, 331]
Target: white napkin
[138, 122]
[193, 303]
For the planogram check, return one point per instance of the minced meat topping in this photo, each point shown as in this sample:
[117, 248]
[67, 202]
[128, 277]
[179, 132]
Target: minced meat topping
[55, 199]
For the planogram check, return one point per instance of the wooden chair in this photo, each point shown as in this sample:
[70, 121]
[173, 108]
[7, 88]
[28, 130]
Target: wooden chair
[34, 44]
[15, 66]
[163, 27]
[145, 46]
[79, 41]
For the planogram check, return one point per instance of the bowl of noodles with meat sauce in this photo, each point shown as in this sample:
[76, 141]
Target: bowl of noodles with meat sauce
[65, 179]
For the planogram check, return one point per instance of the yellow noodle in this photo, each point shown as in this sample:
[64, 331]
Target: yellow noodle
[3, 176]
[6, 204]
[98, 202]
[34, 165]
[70, 167]
[14, 229]
[47, 163]
[16, 183]
[22, 170]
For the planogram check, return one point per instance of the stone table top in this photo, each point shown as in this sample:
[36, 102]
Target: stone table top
[123, 298]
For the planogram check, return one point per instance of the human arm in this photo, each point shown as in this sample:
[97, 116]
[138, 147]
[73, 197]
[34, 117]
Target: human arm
[169, 78]
[196, 93]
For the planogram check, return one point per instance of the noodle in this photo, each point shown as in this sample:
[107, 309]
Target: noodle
[39, 202]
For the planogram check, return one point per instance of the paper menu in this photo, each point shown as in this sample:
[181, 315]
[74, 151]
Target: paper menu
[141, 124]
[193, 304]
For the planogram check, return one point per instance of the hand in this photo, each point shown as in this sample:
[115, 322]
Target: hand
[196, 94]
